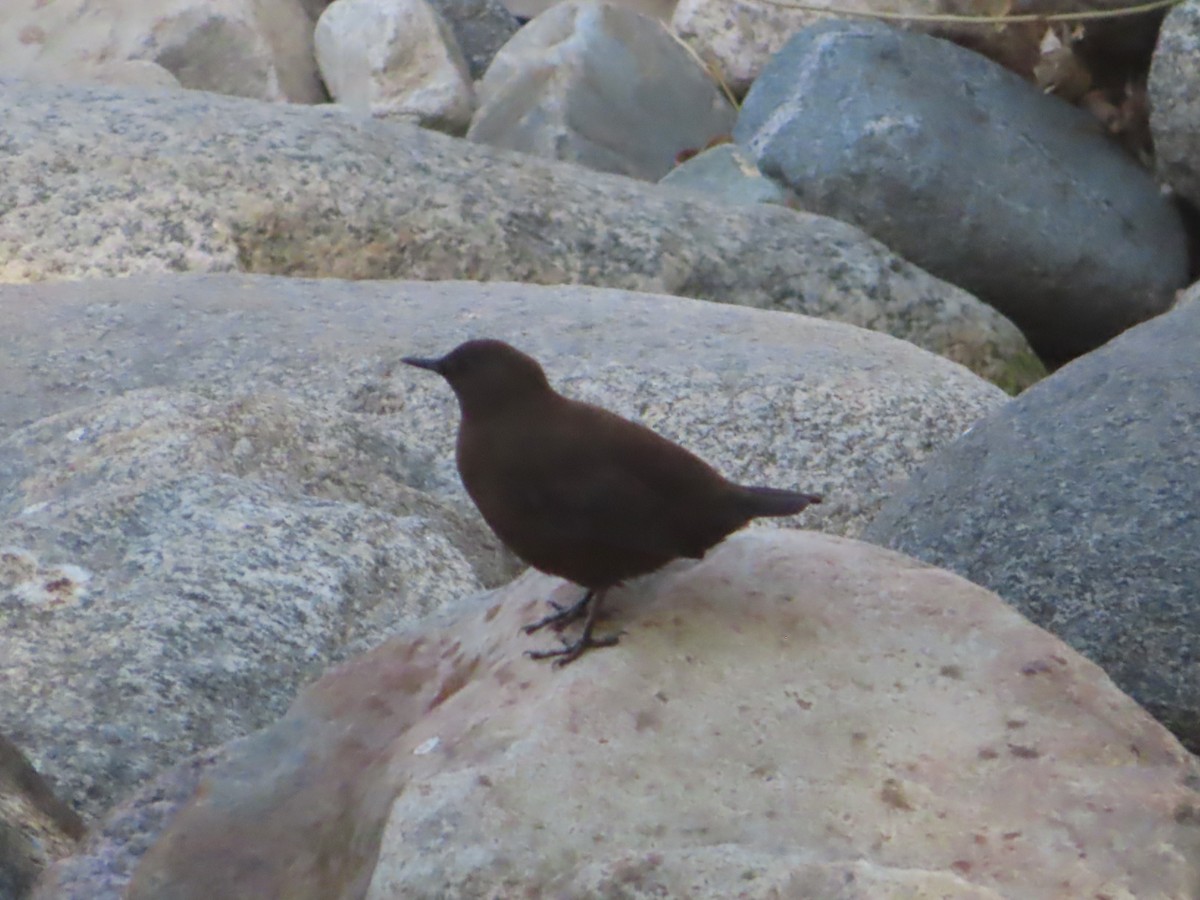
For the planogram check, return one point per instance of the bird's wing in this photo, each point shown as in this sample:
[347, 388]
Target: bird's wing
[619, 488]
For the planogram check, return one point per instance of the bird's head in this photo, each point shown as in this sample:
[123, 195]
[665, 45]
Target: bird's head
[487, 375]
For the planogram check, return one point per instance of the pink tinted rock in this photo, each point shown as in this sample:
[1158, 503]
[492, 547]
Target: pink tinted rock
[795, 715]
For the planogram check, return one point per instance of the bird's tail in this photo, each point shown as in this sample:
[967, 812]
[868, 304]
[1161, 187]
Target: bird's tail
[765, 501]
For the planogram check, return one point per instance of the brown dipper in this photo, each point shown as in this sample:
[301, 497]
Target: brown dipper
[579, 492]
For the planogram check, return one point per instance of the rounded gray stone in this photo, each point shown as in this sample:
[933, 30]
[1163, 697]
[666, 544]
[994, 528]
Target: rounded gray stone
[173, 569]
[1079, 503]
[971, 173]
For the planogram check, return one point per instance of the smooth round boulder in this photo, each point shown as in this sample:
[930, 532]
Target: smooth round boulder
[1079, 503]
[973, 174]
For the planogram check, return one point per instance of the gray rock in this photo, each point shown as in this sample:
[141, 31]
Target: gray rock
[1175, 100]
[36, 828]
[395, 59]
[599, 85]
[971, 173]
[825, 406]
[726, 174]
[213, 487]
[103, 182]
[481, 28]
[174, 569]
[1077, 503]
[794, 716]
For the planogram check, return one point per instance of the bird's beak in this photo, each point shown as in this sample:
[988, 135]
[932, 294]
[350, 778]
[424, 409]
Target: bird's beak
[424, 362]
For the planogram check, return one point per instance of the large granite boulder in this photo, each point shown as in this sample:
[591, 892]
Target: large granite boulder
[103, 182]
[1079, 503]
[214, 487]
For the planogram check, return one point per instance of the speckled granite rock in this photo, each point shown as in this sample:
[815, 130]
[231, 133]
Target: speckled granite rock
[174, 568]
[794, 716]
[101, 182]
[1175, 100]
[1078, 503]
[773, 398]
[213, 486]
[971, 173]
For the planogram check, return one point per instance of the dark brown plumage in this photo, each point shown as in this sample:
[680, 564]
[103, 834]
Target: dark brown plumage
[579, 492]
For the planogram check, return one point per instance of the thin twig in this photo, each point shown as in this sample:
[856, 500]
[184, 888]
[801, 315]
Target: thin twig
[1018, 18]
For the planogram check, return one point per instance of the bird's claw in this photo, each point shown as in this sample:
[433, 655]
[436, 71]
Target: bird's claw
[569, 652]
[561, 617]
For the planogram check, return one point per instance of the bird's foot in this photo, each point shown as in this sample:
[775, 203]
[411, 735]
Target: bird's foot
[562, 615]
[569, 652]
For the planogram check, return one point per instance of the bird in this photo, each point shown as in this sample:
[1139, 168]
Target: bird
[579, 492]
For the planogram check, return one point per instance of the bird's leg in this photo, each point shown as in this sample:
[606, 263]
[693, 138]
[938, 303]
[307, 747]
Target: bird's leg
[568, 653]
[562, 615]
